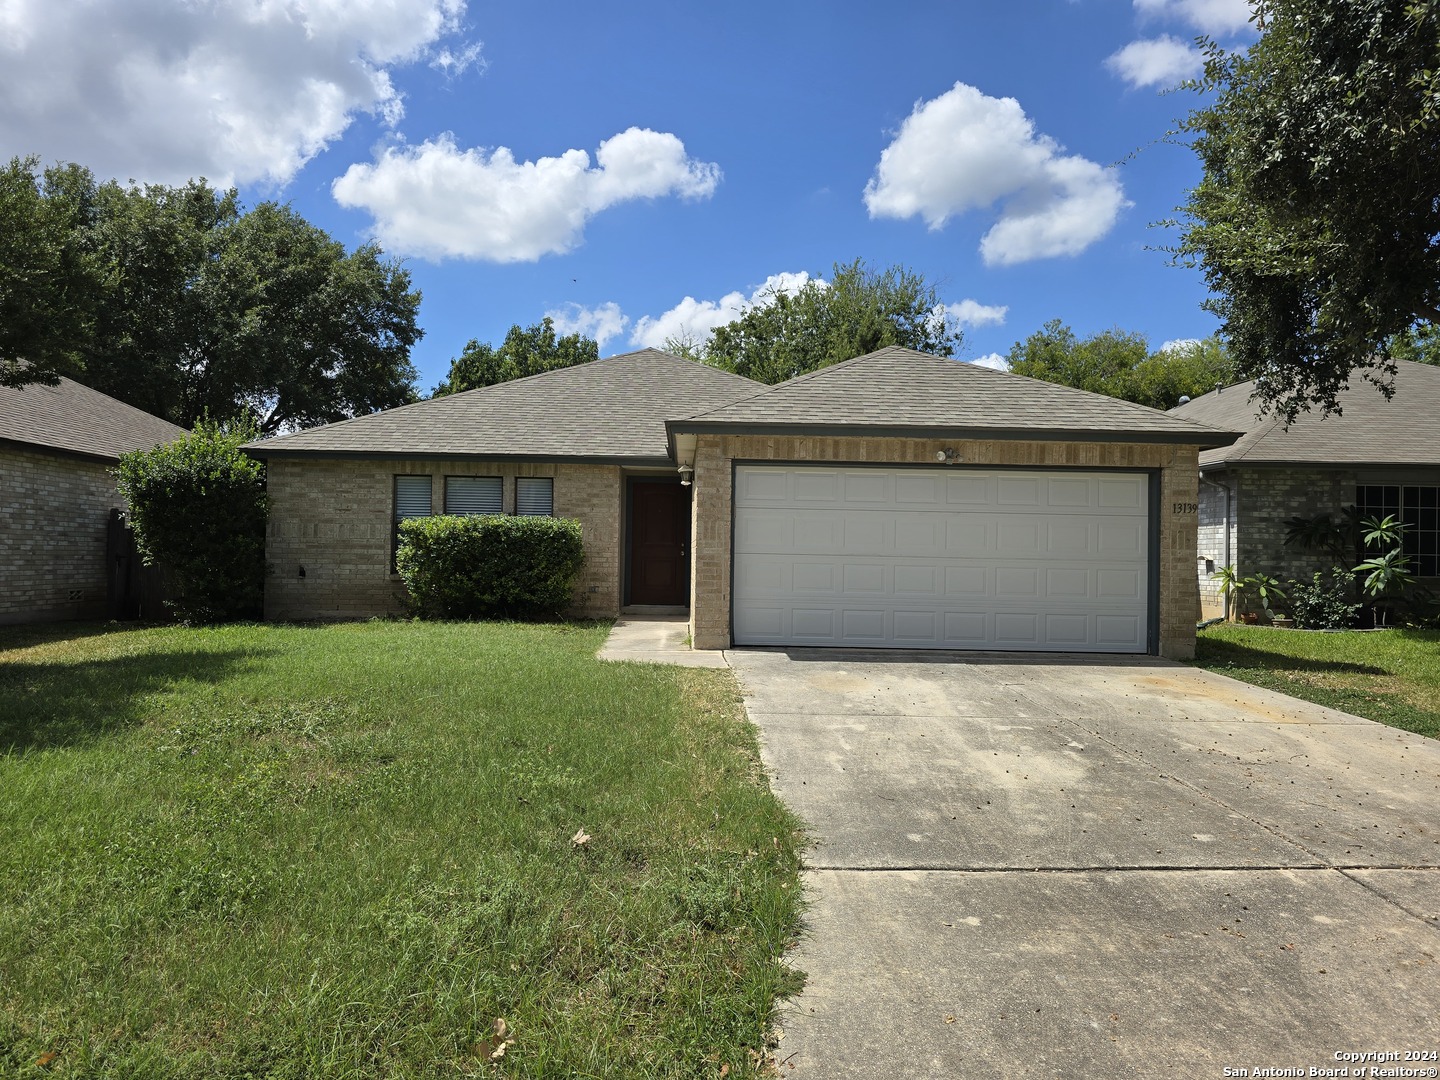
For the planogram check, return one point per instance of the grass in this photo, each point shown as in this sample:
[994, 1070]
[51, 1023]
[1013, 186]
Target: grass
[1392, 676]
[346, 851]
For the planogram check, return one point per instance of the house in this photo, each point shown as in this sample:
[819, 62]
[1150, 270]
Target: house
[896, 500]
[1381, 456]
[57, 447]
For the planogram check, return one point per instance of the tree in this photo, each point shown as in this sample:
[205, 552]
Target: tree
[1317, 222]
[48, 281]
[1420, 344]
[524, 352]
[198, 508]
[1120, 364]
[786, 334]
[184, 305]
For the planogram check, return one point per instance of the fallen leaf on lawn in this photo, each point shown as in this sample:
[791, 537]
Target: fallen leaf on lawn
[580, 839]
[724, 1070]
[502, 1029]
[46, 1058]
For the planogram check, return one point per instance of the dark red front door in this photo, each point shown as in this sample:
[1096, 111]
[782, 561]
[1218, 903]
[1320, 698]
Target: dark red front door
[659, 543]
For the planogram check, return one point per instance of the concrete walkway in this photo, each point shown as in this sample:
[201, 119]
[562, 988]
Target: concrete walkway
[1062, 868]
[657, 639]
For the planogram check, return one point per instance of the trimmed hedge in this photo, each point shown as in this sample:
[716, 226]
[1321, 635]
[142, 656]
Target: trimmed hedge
[490, 566]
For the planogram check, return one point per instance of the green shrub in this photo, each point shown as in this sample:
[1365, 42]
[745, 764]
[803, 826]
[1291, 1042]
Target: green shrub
[198, 508]
[490, 566]
[1322, 604]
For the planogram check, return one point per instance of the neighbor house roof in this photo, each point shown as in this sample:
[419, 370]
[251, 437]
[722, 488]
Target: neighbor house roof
[900, 392]
[611, 410]
[1369, 430]
[74, 419]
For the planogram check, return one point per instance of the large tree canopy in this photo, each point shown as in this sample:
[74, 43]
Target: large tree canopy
[1120, 364]
[48, 281]
[527, 351]
[787, 334]
[180, 303]
[1318, 217]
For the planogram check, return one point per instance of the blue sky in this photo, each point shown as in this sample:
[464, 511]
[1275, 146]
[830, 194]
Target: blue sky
[639, 171]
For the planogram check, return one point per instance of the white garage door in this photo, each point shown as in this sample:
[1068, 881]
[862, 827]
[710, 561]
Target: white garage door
[949, 558]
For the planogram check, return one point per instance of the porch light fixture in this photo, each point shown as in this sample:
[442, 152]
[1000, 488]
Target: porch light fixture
[687, 475]
[947, 456]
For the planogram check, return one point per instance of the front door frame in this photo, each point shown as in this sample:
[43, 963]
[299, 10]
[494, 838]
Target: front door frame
[627, 552]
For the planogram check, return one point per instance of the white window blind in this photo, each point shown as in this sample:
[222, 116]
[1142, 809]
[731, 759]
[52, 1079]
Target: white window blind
[534, 496]
[412, 497]
[472, 495]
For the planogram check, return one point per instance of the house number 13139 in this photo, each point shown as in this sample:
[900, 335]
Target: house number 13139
[1184, 508]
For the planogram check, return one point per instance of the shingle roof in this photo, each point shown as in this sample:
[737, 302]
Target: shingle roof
[1405, 430]
[77, 420]
[610, 410]
[900, 391]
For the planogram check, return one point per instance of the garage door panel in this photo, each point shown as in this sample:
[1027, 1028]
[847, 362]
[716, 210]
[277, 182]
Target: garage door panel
[813, 577]
[919, 629]
[969, 534]
[1017, 490]
[815, 623]
[861, 486]
[1043, 560]
[1121, 538]
[818, 486]
[968, 489]
[759, 486]
[1012, 581]
[863, 626]
[966, 581]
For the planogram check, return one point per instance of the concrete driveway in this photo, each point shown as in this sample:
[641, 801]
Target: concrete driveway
[1098, 868]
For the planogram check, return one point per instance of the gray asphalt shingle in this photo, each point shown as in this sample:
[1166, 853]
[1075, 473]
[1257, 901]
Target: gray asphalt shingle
[79, 420]
[896, 390]
[1370, 430]
[607, 410]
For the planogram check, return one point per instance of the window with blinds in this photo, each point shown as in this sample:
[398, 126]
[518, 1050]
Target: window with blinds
[473, 495]
[412, 497]
[534, 496]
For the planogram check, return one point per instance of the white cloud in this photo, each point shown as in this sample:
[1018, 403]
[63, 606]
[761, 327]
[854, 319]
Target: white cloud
[973, 313]
[1207, 16]
[966, 151]
[1164, 62]
[993, 361]
[1179, 345]
[602, 323]
[439, 201]
[693, 320]
[235, 90]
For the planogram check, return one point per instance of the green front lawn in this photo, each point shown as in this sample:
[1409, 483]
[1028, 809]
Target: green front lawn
[347, 851]
[1392, 676]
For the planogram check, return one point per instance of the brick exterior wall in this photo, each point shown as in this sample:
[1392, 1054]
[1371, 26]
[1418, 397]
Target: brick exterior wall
[711, 510]
[54, 509]
[1264, 499]
[335, 518]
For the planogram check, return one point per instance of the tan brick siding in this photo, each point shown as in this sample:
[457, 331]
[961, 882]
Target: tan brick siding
[1179, 475]
[53, 515]
[334, 518]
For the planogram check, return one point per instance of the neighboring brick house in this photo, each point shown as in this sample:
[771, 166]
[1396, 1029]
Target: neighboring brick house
[57, 447]
[1381, 456]
[896, 500]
